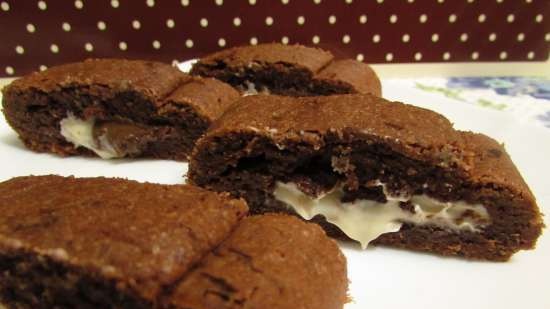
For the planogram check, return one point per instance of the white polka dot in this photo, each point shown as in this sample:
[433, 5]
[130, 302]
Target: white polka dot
[284, 1]
[470, 1]
[440, 1]
[79, 4]
[221, 42]
[528, 1]
[66, 26]
[236, 21]
[54, 48]
[88, 47]
[115, 3]
[253, 41]
[510, 18]
[156, 44]
[423, 18]
[301, 20]
[363, 19]
[521, 37]
[492, 37]
[175, 62]
[376, 38]
[284, 40]
[547, 37]
[393, 18]
[452, 18]
[446, 56]
[5, 6]
[503, 55]
[380, 1]
[219, 2]
[170, 23]
[332, 19]
[349, 1]
[481, 18]
[410, 1]
[204, 22]
[188, 43]
[122, 45]
[269, 20]
[150, 3]
[19, 49]
[316, 1]
[539, 18]
[10, 70]
[464, 37]
[435, 37]
[418, 56]
[500, 1]
[42, 68]
[101, 25]
[136, 24]
[406, 38]
[252, 2]
[475, 55]
[42, 5]
[315, 39]
[360, 57]
[346, 39]
[31, 28]
[389, 57]
[530, 55]
[185, 2]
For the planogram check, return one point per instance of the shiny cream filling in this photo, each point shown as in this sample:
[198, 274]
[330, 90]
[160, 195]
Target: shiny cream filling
[80, 133]
[251, 89]
[365, 220]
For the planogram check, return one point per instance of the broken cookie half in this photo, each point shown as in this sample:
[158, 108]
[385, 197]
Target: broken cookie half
[371, 170]
[292, 70]
[114, 108]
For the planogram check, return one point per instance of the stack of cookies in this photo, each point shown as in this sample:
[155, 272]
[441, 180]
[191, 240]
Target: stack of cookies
[275, 135]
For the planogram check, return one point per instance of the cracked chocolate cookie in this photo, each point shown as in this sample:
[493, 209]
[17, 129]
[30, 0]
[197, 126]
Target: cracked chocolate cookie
[269, 261]
[115, 243]
[371, 170]
[114, 108]
[291, 70]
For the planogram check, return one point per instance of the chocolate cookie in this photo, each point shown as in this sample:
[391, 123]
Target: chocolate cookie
[114, 243]
[269, 261]
[292, 70]
[372, 170]
[114, 108]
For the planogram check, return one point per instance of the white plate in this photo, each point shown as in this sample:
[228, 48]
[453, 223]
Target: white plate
[381, 277]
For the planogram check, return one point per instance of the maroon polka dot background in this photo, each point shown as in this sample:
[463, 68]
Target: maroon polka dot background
[39, 34]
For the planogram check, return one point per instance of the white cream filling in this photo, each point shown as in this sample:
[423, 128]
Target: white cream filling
[251, 89]
[80, 133]
[365, 220]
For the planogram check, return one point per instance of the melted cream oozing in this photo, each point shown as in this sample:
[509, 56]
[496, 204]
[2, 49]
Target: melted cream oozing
[251, 89]
[80, 133]
[366, 220]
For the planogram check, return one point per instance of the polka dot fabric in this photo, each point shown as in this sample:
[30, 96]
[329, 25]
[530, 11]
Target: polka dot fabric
[39, 34]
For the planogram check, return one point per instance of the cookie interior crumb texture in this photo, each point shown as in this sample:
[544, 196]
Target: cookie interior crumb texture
[114, 108]
[375, 171]
[292, 70]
